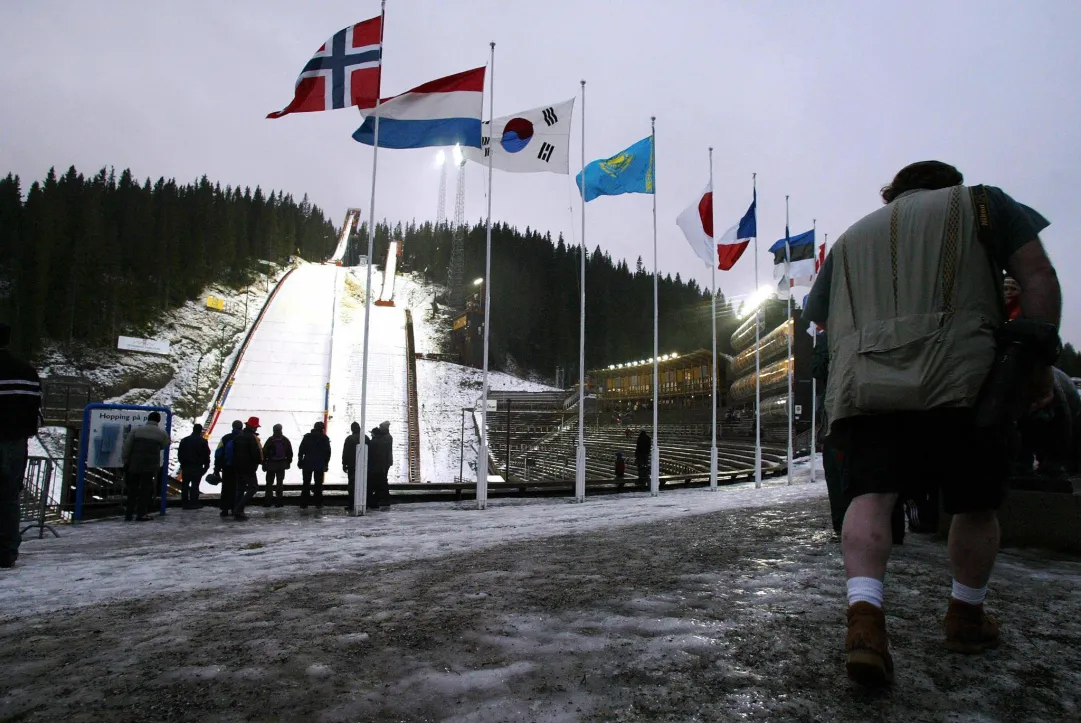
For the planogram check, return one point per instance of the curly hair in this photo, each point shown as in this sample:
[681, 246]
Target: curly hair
[925, 175]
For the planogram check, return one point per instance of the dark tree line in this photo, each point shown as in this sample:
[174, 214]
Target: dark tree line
[84, 258]
[535, 297]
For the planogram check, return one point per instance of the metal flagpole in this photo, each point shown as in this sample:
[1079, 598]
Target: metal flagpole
[713, 386]
[580, 462]
[791, 330]
[360, 472]
[654, 462]
[757, 353]
[814, 382]
[482, 457]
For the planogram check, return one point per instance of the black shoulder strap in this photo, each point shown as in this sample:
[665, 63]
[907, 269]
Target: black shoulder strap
[985, 232]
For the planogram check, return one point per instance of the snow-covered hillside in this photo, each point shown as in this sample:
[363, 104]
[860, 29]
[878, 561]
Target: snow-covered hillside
[203, 344]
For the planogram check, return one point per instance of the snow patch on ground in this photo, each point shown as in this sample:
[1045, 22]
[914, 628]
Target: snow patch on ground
[95, 562]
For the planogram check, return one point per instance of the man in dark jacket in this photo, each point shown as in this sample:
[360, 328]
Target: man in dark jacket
[223, 465]
[193, 454]
[641, 456]
[20, 405]
[277, 457]
[349, 461]
[380, 460]
[142, 455]
[313, 460]
[247, 456]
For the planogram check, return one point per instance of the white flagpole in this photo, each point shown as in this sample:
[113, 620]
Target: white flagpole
[360, 473]
[655, 462]
[713, 386]
[580, 461]
[757, 354]
[482, 456]
[791, 330]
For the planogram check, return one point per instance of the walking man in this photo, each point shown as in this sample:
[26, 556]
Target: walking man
[314, 461]
[277, 457]
[193, 454]
[20, 407]
[912, 297]
[641, 456]
[223, 465]
[247, 456]
[349, 461]
[143, 452]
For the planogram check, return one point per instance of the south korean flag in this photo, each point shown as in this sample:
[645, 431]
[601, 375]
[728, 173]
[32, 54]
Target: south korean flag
[528, 142]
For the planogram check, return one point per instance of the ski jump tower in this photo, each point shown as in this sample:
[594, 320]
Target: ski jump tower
[456, 272]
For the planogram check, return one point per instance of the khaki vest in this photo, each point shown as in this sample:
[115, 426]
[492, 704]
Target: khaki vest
[914, 303]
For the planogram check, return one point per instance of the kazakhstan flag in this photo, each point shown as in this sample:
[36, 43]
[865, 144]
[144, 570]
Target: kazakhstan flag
[630, 171]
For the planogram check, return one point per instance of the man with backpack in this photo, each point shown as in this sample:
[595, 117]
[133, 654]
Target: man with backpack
[193, 454]
[247, 456]
[142, 455]
[313, 458]
[277, 457]
[223, 466]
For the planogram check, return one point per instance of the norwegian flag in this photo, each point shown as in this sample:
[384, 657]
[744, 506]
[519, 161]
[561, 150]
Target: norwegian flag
[342, 73]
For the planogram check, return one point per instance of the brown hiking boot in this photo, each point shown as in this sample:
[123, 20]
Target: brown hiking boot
[869, 662]
[969, 629]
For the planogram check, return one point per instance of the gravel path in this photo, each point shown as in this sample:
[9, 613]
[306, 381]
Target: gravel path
[733, 615]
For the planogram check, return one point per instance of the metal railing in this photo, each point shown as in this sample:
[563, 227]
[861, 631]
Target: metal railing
[36, 505]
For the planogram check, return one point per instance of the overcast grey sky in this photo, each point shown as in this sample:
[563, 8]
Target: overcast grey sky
[825, 101]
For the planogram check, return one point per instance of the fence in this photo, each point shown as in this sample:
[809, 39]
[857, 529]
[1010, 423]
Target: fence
[36, 505]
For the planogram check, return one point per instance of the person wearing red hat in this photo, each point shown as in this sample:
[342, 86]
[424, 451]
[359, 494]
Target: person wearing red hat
[247, 456]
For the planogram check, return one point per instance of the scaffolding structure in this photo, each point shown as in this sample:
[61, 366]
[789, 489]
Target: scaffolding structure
[456, 272]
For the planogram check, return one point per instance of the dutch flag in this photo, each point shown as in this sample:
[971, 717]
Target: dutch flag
[442, 112]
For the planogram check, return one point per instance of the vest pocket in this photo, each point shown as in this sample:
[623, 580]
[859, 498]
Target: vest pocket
[903, 364]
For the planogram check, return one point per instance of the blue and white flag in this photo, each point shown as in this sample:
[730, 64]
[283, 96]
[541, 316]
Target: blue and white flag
[629, 171]
[443, 112]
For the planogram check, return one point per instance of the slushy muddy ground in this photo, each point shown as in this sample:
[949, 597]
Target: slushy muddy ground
[732, 615]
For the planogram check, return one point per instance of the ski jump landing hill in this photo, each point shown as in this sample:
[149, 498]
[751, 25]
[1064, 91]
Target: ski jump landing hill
[283, 368]
[301, 363]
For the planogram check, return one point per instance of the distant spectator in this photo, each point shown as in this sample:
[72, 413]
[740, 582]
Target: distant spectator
[621, 467]
[277, 457]
[223, 466]
[247, 456]
[314, 461]
[143, 452]
[380, 460]
[641, 456]
[349, 461]
[193, 454]
[20, 407]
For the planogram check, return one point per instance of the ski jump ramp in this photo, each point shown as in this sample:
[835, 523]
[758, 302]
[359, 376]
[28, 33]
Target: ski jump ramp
[283, 374]
[303, 364]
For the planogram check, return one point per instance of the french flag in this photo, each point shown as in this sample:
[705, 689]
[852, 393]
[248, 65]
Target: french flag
[442, 112]
[343, 72]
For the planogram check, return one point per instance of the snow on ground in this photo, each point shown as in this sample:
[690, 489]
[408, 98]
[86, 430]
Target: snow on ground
[107, 560]
[443, 390]
[691, 606]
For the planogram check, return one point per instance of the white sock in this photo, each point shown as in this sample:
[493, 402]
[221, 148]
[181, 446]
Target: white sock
[970, 595]
[865, 589]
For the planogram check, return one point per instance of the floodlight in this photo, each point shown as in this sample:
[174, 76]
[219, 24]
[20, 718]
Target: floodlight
[755, 299]
[440, 159]
[458, 156]
[478, 282]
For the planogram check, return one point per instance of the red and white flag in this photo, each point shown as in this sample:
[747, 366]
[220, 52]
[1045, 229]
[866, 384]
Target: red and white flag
[343, 72]
[696, 222]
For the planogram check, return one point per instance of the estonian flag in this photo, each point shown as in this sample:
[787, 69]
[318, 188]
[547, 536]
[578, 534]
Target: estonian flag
[794, 258]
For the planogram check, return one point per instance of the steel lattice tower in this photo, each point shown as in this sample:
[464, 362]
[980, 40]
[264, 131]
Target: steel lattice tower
[456, 271]
[441, 209]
